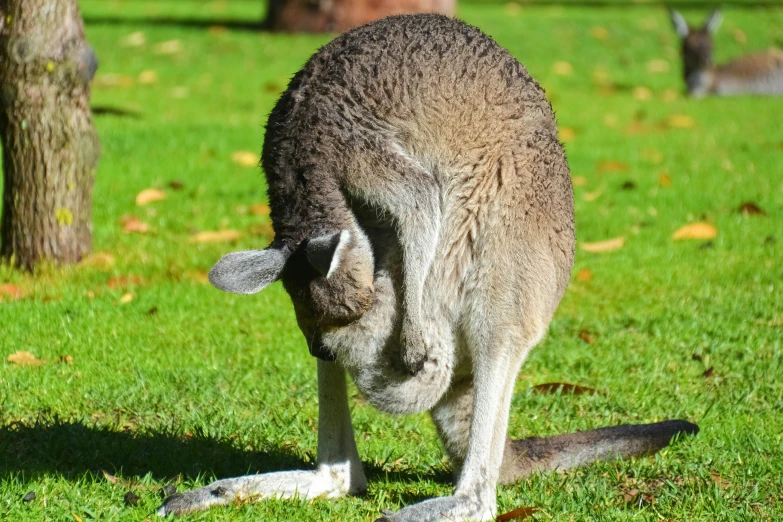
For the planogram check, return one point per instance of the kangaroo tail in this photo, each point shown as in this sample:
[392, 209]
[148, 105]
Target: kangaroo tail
[526, 456]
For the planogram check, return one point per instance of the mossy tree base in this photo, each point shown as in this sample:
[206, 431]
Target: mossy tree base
[50, 147]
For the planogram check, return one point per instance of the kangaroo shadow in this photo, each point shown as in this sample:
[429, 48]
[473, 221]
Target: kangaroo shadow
[71, 449]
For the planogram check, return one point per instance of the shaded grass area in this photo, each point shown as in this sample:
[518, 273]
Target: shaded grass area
[185, 384]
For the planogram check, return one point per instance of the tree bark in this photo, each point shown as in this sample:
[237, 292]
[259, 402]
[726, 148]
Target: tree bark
[50, 147]
[317, 16]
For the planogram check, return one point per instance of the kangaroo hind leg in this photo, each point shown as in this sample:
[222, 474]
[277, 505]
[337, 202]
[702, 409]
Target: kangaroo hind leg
[475, 438]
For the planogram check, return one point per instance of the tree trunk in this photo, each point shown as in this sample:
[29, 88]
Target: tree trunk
[50, 147]
[317, 16]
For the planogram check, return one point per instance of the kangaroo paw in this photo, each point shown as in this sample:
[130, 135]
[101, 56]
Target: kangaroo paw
[195, 500]
[413, 348]
[457, 508]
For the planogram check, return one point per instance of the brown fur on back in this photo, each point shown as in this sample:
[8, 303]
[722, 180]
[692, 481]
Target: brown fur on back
[754, 65]
[439, 99]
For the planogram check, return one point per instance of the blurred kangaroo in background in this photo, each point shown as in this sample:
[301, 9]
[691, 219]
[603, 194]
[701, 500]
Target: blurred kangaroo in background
[760, 73]
[424, 223]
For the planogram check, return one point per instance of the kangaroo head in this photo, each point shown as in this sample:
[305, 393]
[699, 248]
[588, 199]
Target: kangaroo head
[329, 277]
[696, 42]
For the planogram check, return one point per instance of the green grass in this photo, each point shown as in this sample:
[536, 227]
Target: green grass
[215, 385]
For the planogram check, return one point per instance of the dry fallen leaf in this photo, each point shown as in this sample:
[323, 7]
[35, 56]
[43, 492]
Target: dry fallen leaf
[652, 155]
[611, 166]
[65, 359]
[23, 358]
[215, 30]
[749, 208]
[658, 66]
[599, 33]
[512, 8]
[102, 260]
[664, 180]
[148, 77]
[217, 236]
[739, 36]
[586, 336]
[126, 298]
[638, 498]
[642, 93]
[124, 281]
[562, 68]
[126, 483]
[649, 23]
[517, 514]
[636, 127]
[670, 94]
[584, 274]
[592, 196]
[579, 181]
[553, 387]
[709, 372]
[169, 47]
[260, 209]
[136, 39]
[680, 121]
[149, 195]
[133, 224]
[721, 482]
[610, 120]
[245, 158]
[566, 134]
[603, 246]
[10, 291]
[272, 88]
[696, 231]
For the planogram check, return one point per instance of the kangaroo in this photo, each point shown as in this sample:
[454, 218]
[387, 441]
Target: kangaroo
[420, 199]
[760, 73]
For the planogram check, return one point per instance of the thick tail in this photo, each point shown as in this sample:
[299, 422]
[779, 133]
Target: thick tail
[524, 457]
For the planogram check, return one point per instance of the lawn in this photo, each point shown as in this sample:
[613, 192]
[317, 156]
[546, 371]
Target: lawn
[154, 377]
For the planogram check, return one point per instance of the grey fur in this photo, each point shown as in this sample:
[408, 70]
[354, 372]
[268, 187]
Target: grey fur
[432, 151]
[759, 74]
[248, 272]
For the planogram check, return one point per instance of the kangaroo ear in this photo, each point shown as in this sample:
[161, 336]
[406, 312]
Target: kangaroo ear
[713, 22]
[680, 25]
[325, 252]
[248, 272]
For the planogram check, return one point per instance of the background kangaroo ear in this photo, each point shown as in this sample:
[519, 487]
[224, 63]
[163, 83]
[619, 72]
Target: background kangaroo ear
[680, 25]
[248, 272]
[713, 22]
[325, 252]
